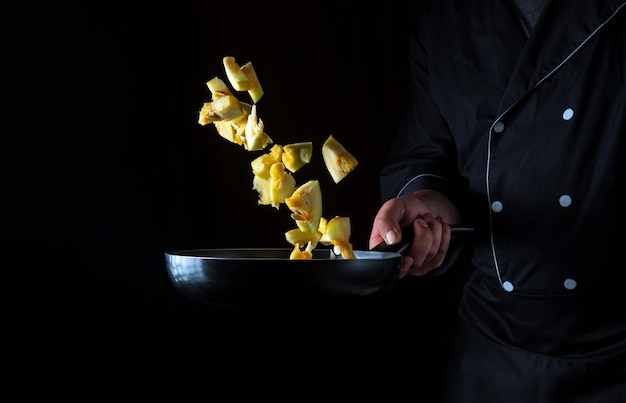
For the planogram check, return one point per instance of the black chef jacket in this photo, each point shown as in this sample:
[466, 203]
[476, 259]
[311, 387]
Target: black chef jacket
[526, 134]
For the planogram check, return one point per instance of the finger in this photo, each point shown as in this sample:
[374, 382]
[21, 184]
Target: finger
[422, 245]
[436, 228]
[405, 266]
[386, 226]
[445, 235]
[433, 255]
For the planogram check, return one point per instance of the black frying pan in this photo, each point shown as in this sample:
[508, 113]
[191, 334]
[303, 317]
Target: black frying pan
[259, 276]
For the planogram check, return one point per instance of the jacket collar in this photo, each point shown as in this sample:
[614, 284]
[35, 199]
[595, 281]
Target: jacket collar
[562, 29]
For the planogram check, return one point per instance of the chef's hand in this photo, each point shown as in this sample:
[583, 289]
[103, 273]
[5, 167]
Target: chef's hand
[429, 213]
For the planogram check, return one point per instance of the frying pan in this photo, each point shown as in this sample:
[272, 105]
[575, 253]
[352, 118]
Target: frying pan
[261, 276]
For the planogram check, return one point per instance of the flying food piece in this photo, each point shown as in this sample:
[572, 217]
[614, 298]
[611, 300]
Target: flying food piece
[218, 87]
[339, 162]
[225, 107]
[300, 254]
[337, 233]
[255, 90]
[301, 238]
[236, 76]
[261, 165]
[274, 188]
[282, 184]
[296, 155]
[303, 243]
[306, 205]
[256, 138]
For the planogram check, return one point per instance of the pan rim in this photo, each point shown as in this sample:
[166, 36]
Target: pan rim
[229, 254]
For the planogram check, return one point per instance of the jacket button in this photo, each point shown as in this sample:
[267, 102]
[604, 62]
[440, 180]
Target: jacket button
[498, 127]
[565, 201]
[508, 286]
[568, 114]
[496, 206]
[570, 283]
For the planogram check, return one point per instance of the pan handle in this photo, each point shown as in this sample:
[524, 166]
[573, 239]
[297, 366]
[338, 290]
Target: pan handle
[407, 238]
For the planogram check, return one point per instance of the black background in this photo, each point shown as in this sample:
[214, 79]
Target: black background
[104, 168]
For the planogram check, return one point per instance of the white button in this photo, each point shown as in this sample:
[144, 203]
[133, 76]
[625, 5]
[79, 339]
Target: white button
[498, 127]
[568, 114]
[565, 201]
[570, 283]
[496, 206]
[508, 286]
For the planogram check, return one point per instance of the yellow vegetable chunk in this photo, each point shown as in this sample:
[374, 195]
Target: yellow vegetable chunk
[256, 138]
[296, 155]
[227, 107]
[218, 87]
[337, 232]
[207, 114]
[298, 254]
[236, 76]
[306, 205]
[282, 184]
[262, 186]
[255, 90]
[322, 226]
[339, 162]
[239, 126]
[298, 237]
[261, 164]
[227, 130]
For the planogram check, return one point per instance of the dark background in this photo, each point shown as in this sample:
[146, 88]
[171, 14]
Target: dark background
[104, 168]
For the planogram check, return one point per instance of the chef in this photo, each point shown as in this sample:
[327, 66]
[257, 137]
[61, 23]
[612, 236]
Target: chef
[516, 124]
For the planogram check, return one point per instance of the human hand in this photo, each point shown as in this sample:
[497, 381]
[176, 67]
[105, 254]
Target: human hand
[425, 212]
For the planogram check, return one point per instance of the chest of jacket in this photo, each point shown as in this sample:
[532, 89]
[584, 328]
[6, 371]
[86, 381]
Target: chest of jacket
[539, 126]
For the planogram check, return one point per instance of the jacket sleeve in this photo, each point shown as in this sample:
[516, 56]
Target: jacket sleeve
[423, 154]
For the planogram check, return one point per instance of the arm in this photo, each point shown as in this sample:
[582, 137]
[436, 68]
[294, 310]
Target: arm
[420, 181]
